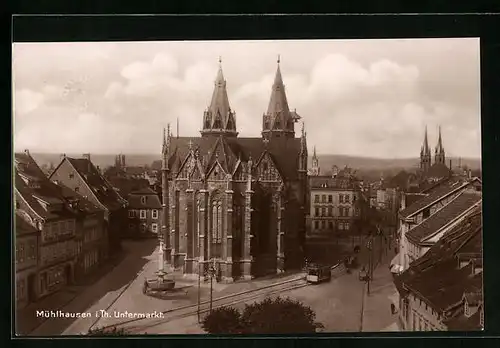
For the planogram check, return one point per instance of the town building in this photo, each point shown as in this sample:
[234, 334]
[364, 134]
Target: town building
[39, 204]
[91, 239]
[461, 193]
[334, 204]
[238, 201]
[442, 290]
[81, 176]
[26, 241]
[144, 213]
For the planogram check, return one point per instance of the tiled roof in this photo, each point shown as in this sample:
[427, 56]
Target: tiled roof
[436, 194]
[152, 199]
[284, 151]
[411, 198]
[83, 205]
[39, 187]
[438, 170]
[23, 227]
[436, 276]
[99, 186]
[335, 183]
[127, 185]
[444, 216]
[135, 170]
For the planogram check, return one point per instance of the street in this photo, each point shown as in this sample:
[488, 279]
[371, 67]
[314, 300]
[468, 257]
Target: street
[341, 305]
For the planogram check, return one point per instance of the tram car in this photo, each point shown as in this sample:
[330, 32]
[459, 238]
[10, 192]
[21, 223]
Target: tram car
[317, 274]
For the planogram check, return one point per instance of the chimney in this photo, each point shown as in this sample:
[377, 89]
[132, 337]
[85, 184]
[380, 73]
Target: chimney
[26, 151]
[63, 156]
[470, 174]
[86, 156]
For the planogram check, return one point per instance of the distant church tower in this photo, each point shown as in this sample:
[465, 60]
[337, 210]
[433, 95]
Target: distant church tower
[425, 154]
[439, 155]
[219, 119]
[315, 170]
[278, 121]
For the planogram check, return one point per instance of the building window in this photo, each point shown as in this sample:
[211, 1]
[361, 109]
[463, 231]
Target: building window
[341, 226]
[154, 228]
[143, 200]
[323, 211]
[143, 214]
[316, 211]
[323, 198]
[330, 225]
[347, 198]
[330, 199]
[316, 198]
[216, 236]
[316, 225]
[71, 175]
[346, 226]
[131, 213]
[323, 225]
[143, 228]
[341, 198]
[330, 210]
[155, 214]
[426, 213]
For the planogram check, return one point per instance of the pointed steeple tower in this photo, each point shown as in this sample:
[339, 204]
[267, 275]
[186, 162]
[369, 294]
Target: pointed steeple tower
[439, 155]
[315, 163]
[278, 120]
[219, 119]
[425, 154]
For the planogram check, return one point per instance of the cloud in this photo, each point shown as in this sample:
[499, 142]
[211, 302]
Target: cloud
[369, 98]
[25, 101]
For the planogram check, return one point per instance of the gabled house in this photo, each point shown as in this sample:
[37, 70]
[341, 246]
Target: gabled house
[144, 213]
[40, 205]
[26, 241]
[81, 176]
[91, 237]
[442, 290]
[425, 206]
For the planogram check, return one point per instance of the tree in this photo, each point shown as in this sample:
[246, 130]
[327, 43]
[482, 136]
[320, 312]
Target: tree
[278, 316]
[223, 320]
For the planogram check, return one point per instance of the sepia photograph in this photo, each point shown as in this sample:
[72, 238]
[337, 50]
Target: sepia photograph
[247, 187]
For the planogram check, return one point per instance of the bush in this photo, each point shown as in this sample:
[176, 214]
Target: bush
[278, 316]
[223, 320]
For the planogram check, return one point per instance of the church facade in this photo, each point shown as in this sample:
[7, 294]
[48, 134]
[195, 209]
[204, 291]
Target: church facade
[433, 172]
[239, 203]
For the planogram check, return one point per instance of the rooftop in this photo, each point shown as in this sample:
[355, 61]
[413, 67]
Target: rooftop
[443, 217]
[436, 194]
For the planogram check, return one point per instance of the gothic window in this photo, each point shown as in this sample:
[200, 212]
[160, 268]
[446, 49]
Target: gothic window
[216, 235]
[218, 122]
[207, 120]
[196, 223]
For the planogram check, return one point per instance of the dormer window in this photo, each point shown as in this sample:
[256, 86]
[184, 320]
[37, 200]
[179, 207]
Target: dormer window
[71, 175]
[77, 189]
[466, 309]
[143, 200]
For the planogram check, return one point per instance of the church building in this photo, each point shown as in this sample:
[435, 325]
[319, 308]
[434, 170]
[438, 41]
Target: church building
[236, 202]
[438, 170]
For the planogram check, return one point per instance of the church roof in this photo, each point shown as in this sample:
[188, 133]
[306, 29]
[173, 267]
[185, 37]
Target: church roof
[438, 170]
[278, 102]
[228, 150]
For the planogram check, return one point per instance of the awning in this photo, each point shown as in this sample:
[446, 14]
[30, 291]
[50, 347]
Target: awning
[395, 267]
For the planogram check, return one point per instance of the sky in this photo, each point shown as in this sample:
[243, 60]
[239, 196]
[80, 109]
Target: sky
[370, 98]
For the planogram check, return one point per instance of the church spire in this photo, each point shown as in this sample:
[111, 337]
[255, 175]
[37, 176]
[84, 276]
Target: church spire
[219, 119]
[278, 120]
[425, 154]
[439, 155]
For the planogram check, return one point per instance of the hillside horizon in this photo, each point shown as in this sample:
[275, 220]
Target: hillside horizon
[326, 161]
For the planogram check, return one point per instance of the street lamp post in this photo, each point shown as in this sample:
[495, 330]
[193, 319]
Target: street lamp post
[212, 271]
[199, 291]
